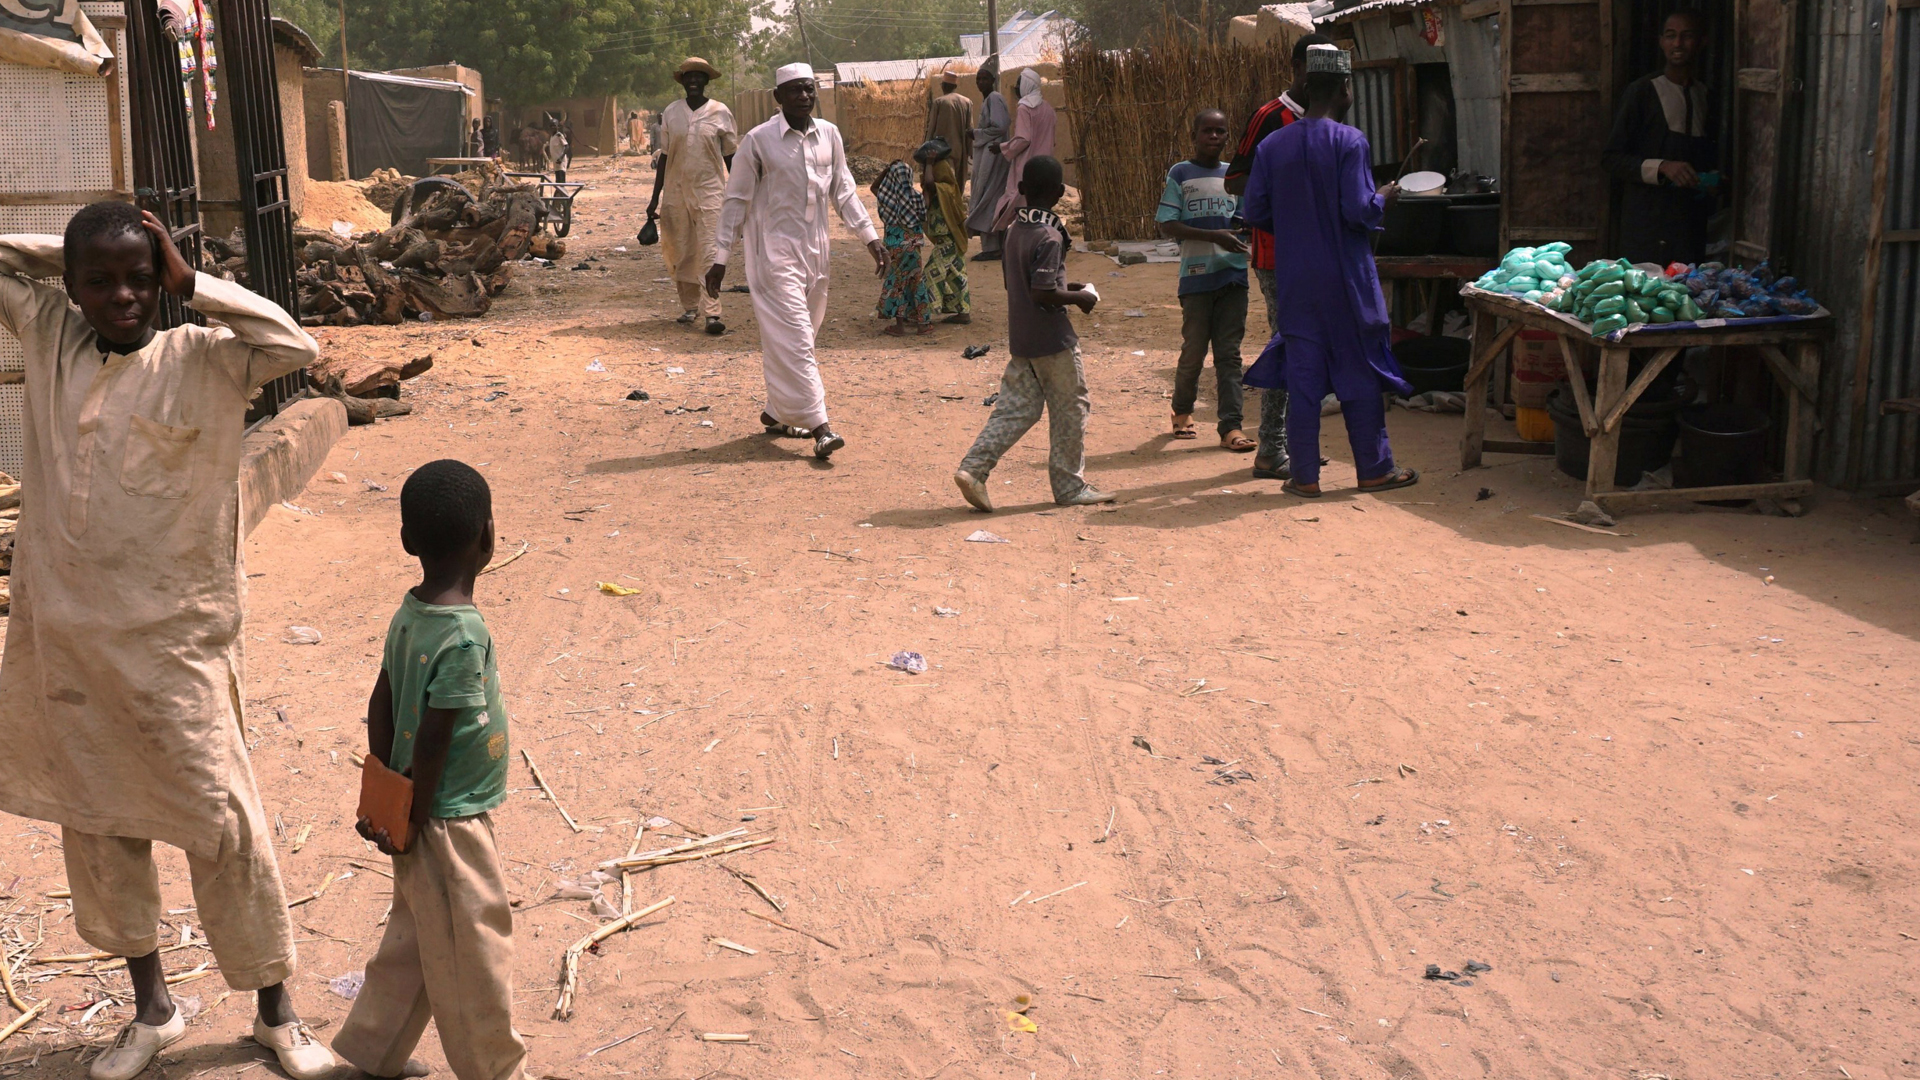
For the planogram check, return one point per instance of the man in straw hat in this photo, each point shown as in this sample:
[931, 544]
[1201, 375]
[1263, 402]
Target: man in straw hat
[698, 140]
[790, 170]
[1312, 184]
[950, 117]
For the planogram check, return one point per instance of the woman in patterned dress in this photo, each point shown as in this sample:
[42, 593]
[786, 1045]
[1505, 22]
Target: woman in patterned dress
[947, 231]
[903, 292]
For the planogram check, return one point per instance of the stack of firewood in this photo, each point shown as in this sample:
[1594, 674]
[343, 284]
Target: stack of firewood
[447, 257]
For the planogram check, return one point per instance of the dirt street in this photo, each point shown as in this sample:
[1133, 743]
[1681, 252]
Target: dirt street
[1206, 779]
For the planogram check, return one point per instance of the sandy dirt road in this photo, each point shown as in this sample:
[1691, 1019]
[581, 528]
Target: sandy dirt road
[1672, 805]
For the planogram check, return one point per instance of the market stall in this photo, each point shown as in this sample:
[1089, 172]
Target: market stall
[1653, 318]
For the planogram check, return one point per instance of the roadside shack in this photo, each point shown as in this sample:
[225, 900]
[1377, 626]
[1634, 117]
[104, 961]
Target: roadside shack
[1536, 89]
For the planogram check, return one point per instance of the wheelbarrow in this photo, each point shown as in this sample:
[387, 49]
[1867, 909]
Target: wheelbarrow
[557, 196]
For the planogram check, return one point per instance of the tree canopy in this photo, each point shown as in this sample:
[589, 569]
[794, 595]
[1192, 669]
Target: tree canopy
[530, 51]
[843, 30]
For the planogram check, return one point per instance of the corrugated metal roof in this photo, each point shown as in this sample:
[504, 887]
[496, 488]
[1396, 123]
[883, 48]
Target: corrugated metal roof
[1347, 12]
[893, 70]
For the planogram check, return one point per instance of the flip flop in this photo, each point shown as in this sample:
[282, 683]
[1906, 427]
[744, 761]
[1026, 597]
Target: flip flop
[1292, 488]
[1399, 478]
[1184, 431]
[1237, 442]
[1278, 472]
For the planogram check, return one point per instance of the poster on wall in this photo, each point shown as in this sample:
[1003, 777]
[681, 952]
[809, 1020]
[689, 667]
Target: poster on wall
[52, 34]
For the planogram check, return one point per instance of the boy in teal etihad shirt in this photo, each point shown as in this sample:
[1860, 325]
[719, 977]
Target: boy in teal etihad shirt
[1197, 210]
[436, 715]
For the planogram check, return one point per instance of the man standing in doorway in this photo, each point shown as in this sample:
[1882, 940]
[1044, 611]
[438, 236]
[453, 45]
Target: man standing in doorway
[1270, 460]
[950, 117]
[689, 185]
[1663, 151]
[788, 171]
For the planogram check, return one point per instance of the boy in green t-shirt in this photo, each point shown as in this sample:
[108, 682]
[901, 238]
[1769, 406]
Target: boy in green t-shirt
[436, 716]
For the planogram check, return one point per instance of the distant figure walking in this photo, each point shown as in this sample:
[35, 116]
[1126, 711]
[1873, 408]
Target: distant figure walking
[989, 165]
[689, 186]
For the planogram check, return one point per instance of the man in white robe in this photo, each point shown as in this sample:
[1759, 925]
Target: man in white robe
[786, 174]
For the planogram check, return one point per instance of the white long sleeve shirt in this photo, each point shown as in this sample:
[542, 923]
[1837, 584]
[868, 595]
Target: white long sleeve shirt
[783, 181]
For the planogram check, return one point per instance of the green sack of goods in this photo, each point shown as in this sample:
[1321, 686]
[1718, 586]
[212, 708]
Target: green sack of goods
[1607, 325]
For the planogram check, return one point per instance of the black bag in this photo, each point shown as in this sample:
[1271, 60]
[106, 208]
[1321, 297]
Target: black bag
[649, 234]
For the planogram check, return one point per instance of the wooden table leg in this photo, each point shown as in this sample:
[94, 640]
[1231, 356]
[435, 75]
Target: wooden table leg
[1800, 413]
[1604, 452]
[1474, 433]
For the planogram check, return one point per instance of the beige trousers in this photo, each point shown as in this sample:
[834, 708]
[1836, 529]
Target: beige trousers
[447, 957]
[238, 897]
[687, 243]
[693, 297]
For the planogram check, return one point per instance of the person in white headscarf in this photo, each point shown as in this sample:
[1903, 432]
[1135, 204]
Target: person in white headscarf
[786, 174]
[1033, 124]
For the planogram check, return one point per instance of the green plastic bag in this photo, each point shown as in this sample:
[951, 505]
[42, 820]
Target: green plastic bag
[1609, 324]
[1608, 275]
[1661, 315]
[1612, 305]
[1690, 311]
[1610, 289]
[1636, 280]
[1558, 247]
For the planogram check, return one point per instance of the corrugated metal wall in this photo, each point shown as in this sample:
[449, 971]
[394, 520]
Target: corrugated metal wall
[1376, 111]
[1889, 446]
[1828, 188]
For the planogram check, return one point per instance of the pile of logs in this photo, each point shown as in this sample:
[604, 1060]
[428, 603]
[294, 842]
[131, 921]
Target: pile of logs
[9, 517]
[447, 256]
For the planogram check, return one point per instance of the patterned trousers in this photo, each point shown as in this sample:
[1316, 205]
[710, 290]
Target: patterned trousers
[1273, 403]
[1057, 384]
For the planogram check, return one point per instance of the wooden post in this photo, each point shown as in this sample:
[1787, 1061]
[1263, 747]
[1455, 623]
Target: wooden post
[993, 28]
[1474, 437]
[1801, 411]
[1603, 454]
[337, 139]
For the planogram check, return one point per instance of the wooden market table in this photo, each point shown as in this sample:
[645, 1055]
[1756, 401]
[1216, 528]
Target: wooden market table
[457, 164]
[1791, 348]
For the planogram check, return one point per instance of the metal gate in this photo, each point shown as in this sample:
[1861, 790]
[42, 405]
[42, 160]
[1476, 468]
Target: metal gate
[163, 143]
[247, 52]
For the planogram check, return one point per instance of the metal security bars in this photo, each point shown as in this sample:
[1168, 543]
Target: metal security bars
[163, 173]
[252, 86]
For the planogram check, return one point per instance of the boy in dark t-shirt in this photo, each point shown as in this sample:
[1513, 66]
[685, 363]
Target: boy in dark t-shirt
[1044, 372]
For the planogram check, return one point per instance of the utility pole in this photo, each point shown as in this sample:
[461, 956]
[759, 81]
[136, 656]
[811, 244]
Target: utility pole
[800, 14]
[993, 28]
[345, 68]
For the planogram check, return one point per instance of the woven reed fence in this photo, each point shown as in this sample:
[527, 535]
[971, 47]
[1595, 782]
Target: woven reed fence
[1132, 112]
[886, 120]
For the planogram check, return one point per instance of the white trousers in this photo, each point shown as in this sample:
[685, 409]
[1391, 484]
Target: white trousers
[790, 304]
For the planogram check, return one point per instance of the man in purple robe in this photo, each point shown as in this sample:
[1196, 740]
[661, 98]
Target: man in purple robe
[1333, 330]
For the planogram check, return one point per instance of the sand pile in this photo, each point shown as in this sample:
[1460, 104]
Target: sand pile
[328, 201]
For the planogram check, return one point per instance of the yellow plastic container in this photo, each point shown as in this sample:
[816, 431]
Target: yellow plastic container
[1534, 425]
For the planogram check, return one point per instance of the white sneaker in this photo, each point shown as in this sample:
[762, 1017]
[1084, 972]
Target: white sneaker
[1088, 496]
[300, 1054]
[135, 1048]
[974, 489]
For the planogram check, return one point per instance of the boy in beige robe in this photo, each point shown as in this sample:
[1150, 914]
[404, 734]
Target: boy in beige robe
[120, 687]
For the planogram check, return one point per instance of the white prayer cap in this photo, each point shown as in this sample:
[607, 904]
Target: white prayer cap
[790, 72]
[1329, 58]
